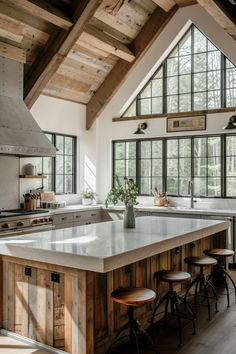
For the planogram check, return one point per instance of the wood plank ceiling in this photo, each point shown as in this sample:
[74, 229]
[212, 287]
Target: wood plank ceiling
[71, 48]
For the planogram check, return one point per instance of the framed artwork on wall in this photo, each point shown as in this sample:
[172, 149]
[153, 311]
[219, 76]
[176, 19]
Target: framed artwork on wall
[182, 124]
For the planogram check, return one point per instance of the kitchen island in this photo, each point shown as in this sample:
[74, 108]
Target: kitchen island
[56, 284]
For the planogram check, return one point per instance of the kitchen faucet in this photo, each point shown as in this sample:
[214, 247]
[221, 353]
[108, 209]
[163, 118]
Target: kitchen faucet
[191, 192]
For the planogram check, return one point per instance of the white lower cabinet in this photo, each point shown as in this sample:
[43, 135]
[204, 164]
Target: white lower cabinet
[62, 221]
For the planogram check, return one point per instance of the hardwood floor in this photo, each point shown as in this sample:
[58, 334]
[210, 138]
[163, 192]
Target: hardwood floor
[217, 336]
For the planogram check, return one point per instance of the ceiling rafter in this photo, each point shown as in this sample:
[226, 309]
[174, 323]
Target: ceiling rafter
[151, 30]
[55, 51]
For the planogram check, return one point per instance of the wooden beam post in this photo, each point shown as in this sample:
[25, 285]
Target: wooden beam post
[12, 52]
[55, 51]
[121, 70]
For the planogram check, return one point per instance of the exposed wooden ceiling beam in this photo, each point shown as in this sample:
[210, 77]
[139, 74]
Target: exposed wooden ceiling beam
[184, 3]
[55, 51]
[12, 52]
[119, 73]
[165, 4]
[103, 41]
[224, 14]
[46, 11]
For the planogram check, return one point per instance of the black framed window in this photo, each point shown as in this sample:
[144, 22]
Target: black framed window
[169, 163]
[195, 76]
[60, 170]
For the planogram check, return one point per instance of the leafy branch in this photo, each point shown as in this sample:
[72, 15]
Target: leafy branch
[126, 193]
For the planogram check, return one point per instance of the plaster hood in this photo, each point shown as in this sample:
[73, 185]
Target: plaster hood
[20, 134]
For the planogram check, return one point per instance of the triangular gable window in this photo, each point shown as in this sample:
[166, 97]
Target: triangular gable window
[195, 76]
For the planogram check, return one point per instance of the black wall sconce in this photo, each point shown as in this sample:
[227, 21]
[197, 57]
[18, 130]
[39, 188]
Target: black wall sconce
[231, 123]
[141, 128]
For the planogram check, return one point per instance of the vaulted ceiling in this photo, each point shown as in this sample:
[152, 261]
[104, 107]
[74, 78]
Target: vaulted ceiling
[82, 51]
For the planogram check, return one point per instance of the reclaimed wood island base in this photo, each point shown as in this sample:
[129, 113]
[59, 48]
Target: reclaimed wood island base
[69, 307]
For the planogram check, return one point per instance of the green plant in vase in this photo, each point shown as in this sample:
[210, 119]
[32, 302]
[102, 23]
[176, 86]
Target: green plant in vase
[127, 193]
[88, 196]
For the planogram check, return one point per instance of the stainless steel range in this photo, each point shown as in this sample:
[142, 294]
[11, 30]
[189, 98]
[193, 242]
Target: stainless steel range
[21, 221]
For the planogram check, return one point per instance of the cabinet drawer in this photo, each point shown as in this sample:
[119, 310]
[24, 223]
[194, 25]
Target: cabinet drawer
[63, 225]
[87, 215]
[88, 222]
[62, 218]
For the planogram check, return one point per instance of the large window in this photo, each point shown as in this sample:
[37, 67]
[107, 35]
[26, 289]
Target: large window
[168, 164]
[60, 171]
[195, 76]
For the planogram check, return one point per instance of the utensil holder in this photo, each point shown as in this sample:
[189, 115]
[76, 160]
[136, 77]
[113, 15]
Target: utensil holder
[31, 204]
[158, 201]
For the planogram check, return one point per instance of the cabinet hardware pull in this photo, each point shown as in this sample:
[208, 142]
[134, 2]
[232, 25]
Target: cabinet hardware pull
[93, 214]
[63, 218]
[78, 216]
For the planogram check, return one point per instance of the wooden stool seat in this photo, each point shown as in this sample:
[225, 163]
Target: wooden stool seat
[218, 252]
[133, 296]
[200, 261]
[172, 276]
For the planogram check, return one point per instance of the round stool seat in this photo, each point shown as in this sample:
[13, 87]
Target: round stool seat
[172, 276]
[133, 296]
[200, 261]
[218, 252]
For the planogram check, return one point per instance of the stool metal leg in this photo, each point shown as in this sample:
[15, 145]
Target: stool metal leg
[214, 293]
[227, 275]
[191, 311]
[188, 289]
[178, 318]
[227, 290]
[208, 300]
[157, 307]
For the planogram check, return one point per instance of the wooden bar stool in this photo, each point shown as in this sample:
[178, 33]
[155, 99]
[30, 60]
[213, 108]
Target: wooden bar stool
[219, 271]
[172, 298]
[133, 297]
[201, 280]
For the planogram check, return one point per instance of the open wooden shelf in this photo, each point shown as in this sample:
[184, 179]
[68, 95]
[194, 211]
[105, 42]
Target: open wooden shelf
[32, 176]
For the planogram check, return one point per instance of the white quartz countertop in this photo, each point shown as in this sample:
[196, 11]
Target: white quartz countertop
[106, 246]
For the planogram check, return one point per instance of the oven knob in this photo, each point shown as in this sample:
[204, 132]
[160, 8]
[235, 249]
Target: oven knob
[50, 219]
[41, 220]
[46, 220]
[35, 221]
[5, 226]
[20, 223]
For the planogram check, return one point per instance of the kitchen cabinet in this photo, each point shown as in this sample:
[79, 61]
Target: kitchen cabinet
[62, 221]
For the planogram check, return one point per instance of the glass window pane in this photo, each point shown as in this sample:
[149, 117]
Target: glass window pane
[172, 186]
[174, 52]
[145, 106]
[120, 167]
[231, 166]
[172, 148]
[172, 104]
[60, 144]
[39, 165]
[185, 147]
[200, 147]
[214, 166]
[214, 187]
[47, 184]
[214, 146]
[172, 167]
[210, 46]
[145, 168]
[59, 184]
[145, 149]
[231, 145]
[185, 167]
[199, 82]
[131, 150]
[231, 78]
[131, 111]
[231, 187]
[157, 148]
[200, 167]
[185, 65]
[68, 145]
[131, 167]
[59, 164]
[199, 41]
[185, 84]
[199, 62]
[157, 87]
[214, 80]
[145, 185]
[157, 167]
[231, 98]
[172, 66]
[185, 44]
[157, 183]
[159, 73]
[157, 104]
[214, 99]
[199, 101]
[146, 92]
[185, 103]
[229, 64]
[172, 85]
[68, 164]
[120, 150]
[47, 165]
[183, 186]
[68, 184]
[200, 186]
[214, 60]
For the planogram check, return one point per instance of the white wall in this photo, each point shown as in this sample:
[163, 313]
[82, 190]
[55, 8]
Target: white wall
[9, 186]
